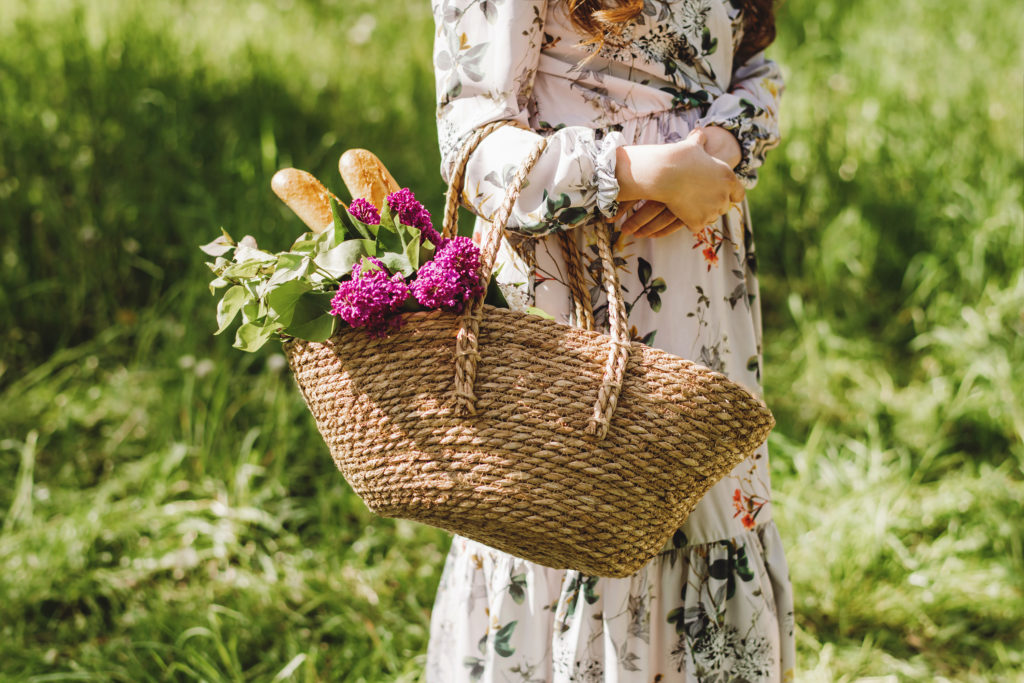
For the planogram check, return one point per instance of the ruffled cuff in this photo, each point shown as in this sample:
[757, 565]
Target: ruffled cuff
[744, 130]
[604, 173]
[754, 127]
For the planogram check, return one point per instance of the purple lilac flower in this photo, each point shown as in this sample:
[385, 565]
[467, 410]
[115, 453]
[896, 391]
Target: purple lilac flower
[451, 279]
[371, 299]
[364, 211]
[410, 212]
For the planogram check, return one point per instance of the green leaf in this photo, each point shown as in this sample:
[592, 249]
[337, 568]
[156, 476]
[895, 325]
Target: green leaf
[219, 246]
[325, 240]
[494, 295]
[533, 310]
[251, 309]
[311, 318]
[397, 263]
[244, 271]
[305, 244]
[412, 252]
[427, 250]
[229, 306]
[658, 285]
[217, 283]
[390, 239]
[348, 226]
[339, 260]
[289, 267]
[251, 336]
[246, 252]
[282, 300]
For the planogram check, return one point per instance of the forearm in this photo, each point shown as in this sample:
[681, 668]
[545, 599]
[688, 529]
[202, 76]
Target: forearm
[640, 170]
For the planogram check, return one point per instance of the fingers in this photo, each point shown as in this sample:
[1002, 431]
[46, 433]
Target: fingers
[675, 226]
[644, 215]
[660, 222]
[736, 192]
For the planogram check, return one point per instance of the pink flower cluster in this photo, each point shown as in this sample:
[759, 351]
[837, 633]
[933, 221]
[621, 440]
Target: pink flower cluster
[451, 279]
[364, 211]
[371, 299]
[410, 212]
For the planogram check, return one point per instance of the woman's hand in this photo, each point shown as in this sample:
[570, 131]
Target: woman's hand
[685, 185]
[723, 145]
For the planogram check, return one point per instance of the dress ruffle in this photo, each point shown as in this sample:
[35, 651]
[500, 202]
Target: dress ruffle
[712, 611]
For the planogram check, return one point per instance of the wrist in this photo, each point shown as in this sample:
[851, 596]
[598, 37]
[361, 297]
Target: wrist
[722, 144]
[641, 170]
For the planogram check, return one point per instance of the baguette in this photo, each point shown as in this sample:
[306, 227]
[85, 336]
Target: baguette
[306, 196]
[366, 177]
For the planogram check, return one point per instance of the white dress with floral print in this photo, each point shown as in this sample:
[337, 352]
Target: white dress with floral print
[716, 603]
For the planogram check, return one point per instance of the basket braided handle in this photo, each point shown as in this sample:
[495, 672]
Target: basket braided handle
[618, 351]
[466, 345]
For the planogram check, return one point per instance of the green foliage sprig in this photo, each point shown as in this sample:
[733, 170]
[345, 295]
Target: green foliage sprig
[288, 294]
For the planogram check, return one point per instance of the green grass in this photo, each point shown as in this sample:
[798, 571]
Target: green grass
[169, 512]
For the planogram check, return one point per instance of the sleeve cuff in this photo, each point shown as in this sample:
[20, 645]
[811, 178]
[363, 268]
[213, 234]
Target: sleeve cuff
[742, 129]
[604, 173]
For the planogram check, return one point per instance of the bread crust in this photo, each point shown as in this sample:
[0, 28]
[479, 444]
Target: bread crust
[306, 196]
[366, 177]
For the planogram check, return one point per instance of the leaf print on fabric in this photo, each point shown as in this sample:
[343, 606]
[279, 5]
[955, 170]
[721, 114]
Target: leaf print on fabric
[475, 666]
[683, 98]
[639, 618]
[626, 659]
[502, 640]
[488, 7]
[738, 294]
[754, 366]
[693, 17]
[711, 352]
[586, 584]
[652, 288]
[517, 588]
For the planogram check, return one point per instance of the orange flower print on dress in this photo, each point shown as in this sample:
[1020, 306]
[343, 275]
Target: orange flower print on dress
[748, 506]
[711, 239]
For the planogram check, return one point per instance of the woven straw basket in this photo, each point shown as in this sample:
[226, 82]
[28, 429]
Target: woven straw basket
[560, 445]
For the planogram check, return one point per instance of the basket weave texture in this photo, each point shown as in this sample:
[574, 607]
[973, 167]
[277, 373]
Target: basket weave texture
[564, 446]
[522, 475]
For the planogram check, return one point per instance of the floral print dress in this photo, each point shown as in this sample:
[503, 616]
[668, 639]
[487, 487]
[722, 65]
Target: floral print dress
[716, 603]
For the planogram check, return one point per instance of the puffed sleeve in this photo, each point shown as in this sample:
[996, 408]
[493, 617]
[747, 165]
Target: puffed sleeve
[485, 59]
[750, 111]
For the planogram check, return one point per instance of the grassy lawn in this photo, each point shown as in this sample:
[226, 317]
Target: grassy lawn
[167, 509]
